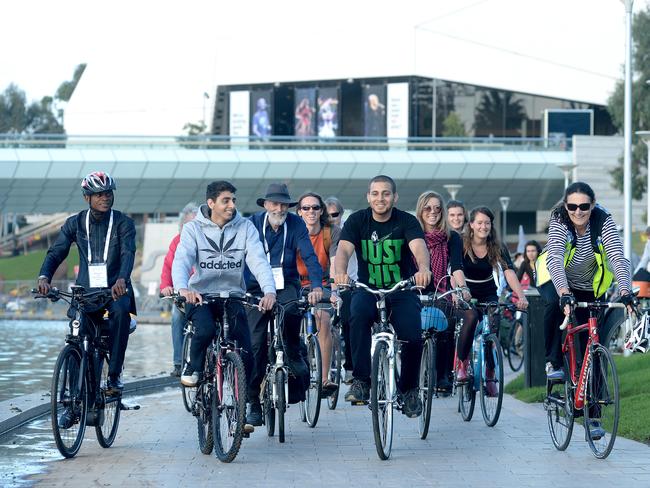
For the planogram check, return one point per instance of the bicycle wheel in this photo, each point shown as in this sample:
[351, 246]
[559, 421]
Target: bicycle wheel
[516, 346]
[267, 405]
[229, 408]
[381, 401]
[559, 411]
[189, 394]
[335, 369]
[312, 398]
[281, 403]
[204, 393]
[106, 429]
[427, 385]
[68, 404]
[491, 381]
[601, 401]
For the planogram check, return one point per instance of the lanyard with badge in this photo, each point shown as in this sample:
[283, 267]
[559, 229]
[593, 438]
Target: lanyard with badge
[278, 275]
[97, 272]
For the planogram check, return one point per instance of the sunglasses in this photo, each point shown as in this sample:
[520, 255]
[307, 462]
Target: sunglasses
[572, 207]
[436, 209]
[307, 208]
[334, 214]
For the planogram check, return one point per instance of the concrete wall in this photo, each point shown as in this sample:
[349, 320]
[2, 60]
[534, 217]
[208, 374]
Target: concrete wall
[157, 237]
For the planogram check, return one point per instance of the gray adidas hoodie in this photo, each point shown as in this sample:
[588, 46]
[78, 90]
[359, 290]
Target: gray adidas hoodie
[219, 256]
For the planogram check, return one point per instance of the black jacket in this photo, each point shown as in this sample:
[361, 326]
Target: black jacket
[121, 250]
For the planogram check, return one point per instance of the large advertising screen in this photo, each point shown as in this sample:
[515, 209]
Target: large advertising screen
[305, 112]
[398, 110]
[374, 110]
[239, 114]
[328, 112]
[261, 114]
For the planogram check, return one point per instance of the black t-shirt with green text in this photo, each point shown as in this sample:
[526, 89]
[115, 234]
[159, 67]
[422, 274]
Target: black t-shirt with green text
[382, 248]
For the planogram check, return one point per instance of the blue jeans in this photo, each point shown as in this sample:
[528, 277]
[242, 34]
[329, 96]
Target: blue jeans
[178, 324]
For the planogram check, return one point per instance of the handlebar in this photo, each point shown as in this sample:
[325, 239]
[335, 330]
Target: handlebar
[590, 305]
[246, 299]
[400, 285]
[78, 292]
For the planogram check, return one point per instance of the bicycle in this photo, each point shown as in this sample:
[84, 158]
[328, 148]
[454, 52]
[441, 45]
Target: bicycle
[513, 341]
[484, 376]
[336, 367]
[219, 403]
[385, 351]
[79, 395]
[593, 389]
[188, 393]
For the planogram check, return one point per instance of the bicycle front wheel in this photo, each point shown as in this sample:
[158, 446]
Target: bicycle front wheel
[491, 381]
[189, 394]
[281, 402]
[204, 393]
[267, 405]
[427, 385]
[106, 430]
[516, 346]
[229, 408]
[68, 402]
[335, 368]
[313, 394]
[559, 411]
[381, 401]
[601, 409]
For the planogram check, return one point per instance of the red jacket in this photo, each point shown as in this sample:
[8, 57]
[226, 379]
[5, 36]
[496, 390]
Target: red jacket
[166, 275]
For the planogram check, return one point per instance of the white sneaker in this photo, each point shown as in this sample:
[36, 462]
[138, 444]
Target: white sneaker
[552, 373]
[190, 380]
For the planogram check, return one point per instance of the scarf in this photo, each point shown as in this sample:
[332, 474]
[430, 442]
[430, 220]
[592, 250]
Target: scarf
[437, 245]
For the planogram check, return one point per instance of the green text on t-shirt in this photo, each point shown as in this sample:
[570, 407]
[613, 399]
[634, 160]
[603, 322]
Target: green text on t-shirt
[383, 258]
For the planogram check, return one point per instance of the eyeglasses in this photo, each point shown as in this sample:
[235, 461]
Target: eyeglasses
[572, 207]
[307, 208]
[334, 214]
[436, 209]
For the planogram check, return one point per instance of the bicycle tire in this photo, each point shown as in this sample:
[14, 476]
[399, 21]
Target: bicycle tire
[267, 405]
[467, 392]
[229, 408]
[106, 429]
[381, 401]
[189, 393]
[302, 414]
[427, 385]
[559, 411]
[491, 403]
[281, 404]
[602, 390]
[335, 369]
[315, 389]
[64, 382]
[204, 394]
[515, 347]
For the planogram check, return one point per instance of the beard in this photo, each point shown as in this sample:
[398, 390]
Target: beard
[276, 219]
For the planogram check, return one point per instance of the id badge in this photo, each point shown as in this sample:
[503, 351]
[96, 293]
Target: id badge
[98, 276]
[278, 277]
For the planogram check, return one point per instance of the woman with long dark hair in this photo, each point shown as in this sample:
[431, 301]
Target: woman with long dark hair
[526, 272]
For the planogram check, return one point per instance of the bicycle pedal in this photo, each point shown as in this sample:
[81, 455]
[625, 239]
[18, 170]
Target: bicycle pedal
[126, 406]
[358, 403]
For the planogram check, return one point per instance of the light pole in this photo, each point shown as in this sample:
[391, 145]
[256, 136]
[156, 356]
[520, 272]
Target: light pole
[505, 201]
[452, 189]
[627, 132]
[566, 169]
[645, 137]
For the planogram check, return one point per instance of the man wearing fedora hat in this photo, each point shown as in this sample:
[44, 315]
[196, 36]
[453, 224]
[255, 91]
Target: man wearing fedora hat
[283, 236]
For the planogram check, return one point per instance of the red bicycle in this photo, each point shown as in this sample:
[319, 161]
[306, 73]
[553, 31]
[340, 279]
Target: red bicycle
[589, 390]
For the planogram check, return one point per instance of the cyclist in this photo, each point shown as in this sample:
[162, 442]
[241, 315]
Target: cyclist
[105, 239]
[385, 240]
[445, 250]
[217, 244]
[167, 288]
[283, 235]
[324, 238]
[526, 272]
[483, 257]
[456, 215]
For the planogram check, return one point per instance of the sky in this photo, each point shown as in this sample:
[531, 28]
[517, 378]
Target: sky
[149, 63]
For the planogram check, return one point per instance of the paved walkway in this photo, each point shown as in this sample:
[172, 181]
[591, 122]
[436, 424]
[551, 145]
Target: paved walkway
[157, 446]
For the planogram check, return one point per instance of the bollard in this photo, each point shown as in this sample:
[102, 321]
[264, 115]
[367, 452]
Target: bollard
[534, 373]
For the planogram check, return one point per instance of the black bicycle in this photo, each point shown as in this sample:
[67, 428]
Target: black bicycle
[512, 341]
[80, 395]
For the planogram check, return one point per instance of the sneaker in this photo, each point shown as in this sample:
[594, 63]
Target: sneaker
[176, 372]
[114, 385]
[66, 419]
[490, 384]
[348, 378]
[552, 373]
[254, 414]
[412, 406]
[189, 378]
[359, 392]
[596, 430]
[248, 428]
[461, 371]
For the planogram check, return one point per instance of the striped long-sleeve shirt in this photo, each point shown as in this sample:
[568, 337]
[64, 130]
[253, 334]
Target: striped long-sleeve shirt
[580, 271]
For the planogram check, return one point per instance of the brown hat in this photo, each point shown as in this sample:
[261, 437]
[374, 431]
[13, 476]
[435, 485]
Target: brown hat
[277, 192]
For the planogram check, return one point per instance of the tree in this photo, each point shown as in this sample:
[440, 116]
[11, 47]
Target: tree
[196, 132]
[19, 118]
[452, 126]
[640, 106]
[66, 89]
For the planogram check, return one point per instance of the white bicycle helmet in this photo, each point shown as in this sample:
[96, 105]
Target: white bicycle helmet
[97, 182]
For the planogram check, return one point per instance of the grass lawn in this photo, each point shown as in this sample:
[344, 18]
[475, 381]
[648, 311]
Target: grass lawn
[27, 266]
[634, 391]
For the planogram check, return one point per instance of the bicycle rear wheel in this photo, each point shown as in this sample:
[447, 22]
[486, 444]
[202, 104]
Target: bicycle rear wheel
[427, 385]
[381, 401]
[516, 346]
[491, 381]
[204, 393]
[229, 408]
[106, 430]
[267, 405]
[189, 394]
[601, 402]
[559, 411]
[312, 400]
[281, 403]
[335, 368]
[68, 405]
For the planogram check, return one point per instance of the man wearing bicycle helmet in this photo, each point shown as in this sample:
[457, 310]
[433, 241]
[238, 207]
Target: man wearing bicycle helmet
[105, 239]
